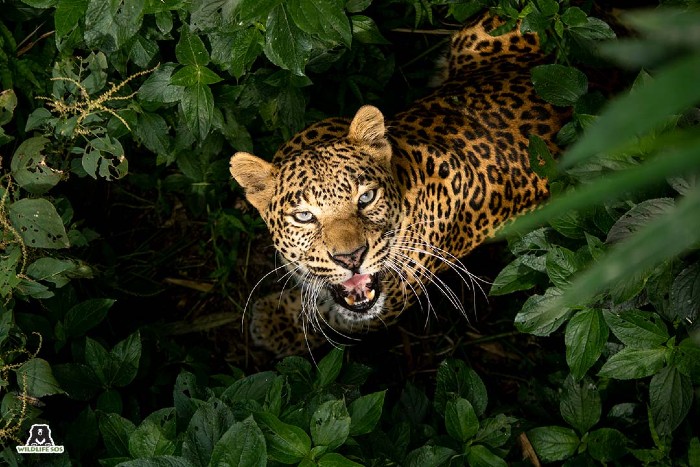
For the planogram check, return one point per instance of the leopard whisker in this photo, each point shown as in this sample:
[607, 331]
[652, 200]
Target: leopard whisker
[257, 284]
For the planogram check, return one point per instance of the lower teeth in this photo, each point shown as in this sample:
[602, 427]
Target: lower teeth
[369, 296]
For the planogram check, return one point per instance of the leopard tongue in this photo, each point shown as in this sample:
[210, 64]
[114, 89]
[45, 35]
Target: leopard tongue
[358, 289]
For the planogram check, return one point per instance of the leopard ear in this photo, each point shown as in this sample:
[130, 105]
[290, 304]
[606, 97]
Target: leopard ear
[368, 126]
[256, 176]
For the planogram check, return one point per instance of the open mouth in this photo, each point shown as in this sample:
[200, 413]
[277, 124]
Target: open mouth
[359, 293]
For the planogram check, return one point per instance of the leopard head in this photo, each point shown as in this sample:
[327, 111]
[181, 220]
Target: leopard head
[332, 205]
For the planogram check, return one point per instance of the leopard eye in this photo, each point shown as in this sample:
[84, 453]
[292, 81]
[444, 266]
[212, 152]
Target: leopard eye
[366, 198]
[304, 217]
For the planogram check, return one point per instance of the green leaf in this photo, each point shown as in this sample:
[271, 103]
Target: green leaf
[198, 107]
[688, 359]
[639, 216]
[574, 16]
[190, 50]
[461, 420]
[653, 102]
[109, 24]
[558, 84]
[455, 379]
[553, 443]
[580, 404]
[356, 6]
[495, 431]
[158, 461]
[251, 11]
[116, 431]
[637, 329]
[329, 367]
[191, 75]
[333, 459]
[330, 424]
[324, 18]
[98, 358]
[631, 363]
[561, 263]
[125, 358]
[206, 428]
[694, 452]
[39, 380]
[365, 30]
[539, 317]
[153, 132]
[287, 444]
[8, 103]
[685, 294]
[67, 16]
[592, 29]
[670, 398]
[246, 45]
[365, 412]
[606, 444]
[158, 88]
[149, 440]
[29, 167]
[85, 316]
[286, 45]
[38, 223]
[241, 445]
[57, 271]
[541, 160]
[585, 338]
[428, 456]
[481, 456]
[515, 276]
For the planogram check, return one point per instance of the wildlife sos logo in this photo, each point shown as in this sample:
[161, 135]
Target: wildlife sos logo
[40, 441]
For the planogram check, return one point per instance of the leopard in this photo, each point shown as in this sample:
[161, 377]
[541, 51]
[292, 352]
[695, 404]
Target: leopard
[366, 212]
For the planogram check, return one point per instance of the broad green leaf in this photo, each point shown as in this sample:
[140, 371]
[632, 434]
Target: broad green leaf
[455, 379]
[580, 404]
[8, 103]
[9, 279]
[415, 404]
[558, 84]
[553, 443]
[158, 88]
[99, 360]
[685, 294]
[40, 3]
[116, 431]
[29, 167]
[365, 30]
[324, 18]
[153, 132]
[637, 329]
[246, 45]
[109, 24]
[191, 75]
[669, 93]
[251, 11]
[606, 444]
[333, 459]
[148, 440]
[428, 456]
[637, 217]
[515, 276]
[241, 445]
[190, 50]
[541, 160]
[158, 461]
[694, 452]
[539, 317]
[57, 271]
[461, 420]
[206, 427]
[561, 263]
[286, 45]
[592, 29]
[125, 357]
[198, 108]
[67, 15]
[585, 337]
[78, 380]
[495, 431]
[574, 16]
[39, 379]
[480, 456]
[287, 444]
[365, 412]
[188, 395]
[330, 424]
[38, 223]
[85, 316]
[687, 360]
[356, 6]
[548, 7]
[631, 363]
[329, 367]
[670, 398]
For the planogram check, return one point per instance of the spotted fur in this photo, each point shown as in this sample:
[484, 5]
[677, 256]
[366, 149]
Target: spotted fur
[366, 212]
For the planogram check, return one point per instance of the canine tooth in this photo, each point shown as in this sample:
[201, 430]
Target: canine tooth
[370, 295]
[350, 300]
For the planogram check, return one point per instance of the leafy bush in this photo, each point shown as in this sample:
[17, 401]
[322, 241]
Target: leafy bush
[120, 118]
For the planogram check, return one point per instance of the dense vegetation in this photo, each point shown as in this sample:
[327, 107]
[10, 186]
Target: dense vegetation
[127, 254]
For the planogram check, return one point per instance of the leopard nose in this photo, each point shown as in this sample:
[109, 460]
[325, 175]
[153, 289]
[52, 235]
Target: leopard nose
[352, 260]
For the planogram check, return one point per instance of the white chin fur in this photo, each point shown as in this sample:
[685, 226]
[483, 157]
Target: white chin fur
[341, 315]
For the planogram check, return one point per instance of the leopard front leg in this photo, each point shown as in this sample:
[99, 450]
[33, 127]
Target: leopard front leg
[277, 324]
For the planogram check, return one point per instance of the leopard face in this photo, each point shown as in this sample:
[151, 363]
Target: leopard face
[332, 205]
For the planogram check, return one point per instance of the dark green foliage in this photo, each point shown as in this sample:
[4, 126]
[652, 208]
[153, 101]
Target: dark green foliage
[117, 120]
